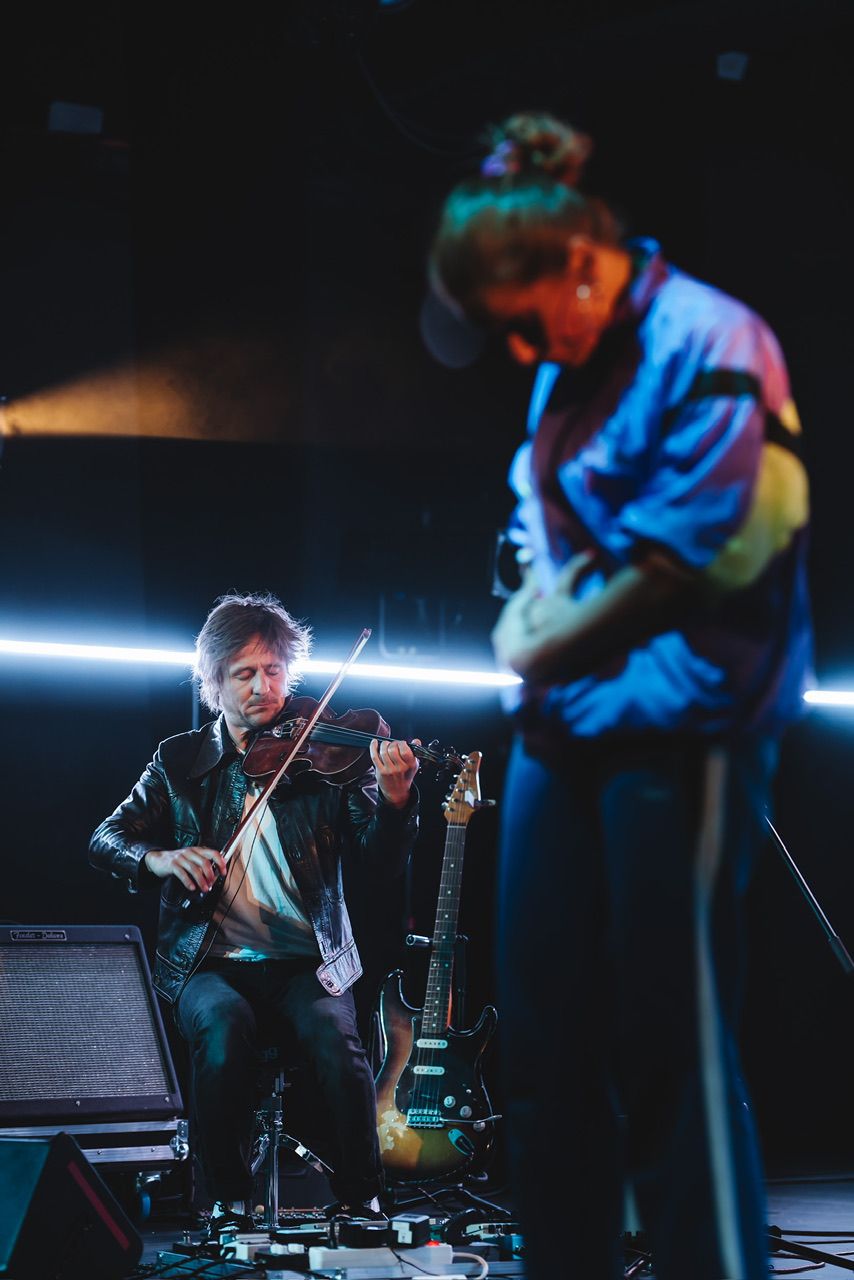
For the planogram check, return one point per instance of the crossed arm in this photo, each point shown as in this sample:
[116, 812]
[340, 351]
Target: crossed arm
[556, 637]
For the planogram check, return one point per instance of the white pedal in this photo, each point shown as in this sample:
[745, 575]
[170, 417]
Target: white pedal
[246, 1243]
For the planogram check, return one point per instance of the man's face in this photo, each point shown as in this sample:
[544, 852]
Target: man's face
[253, 690]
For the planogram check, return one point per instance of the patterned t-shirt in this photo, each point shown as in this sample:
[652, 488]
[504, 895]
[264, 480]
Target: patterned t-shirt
[260, 914]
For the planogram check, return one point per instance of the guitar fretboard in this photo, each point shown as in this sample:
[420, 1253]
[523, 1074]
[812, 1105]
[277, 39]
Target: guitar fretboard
[436, 1014]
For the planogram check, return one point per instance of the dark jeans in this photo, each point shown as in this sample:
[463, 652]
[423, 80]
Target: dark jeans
[218, 1014]
[620, 964]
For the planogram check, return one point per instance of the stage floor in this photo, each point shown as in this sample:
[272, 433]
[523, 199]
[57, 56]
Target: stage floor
[811, 1210]
[814, 1211]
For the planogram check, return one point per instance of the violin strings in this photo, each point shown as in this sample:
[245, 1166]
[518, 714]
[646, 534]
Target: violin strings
[341, 734]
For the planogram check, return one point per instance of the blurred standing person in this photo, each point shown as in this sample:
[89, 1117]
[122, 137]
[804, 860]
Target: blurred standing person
[662, 633]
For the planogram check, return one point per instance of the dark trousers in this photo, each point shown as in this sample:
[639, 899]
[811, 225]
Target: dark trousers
[620, 967]
[219, 1013]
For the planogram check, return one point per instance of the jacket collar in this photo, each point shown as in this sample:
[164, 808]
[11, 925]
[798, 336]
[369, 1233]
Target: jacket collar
[651, 273]
[215, 744]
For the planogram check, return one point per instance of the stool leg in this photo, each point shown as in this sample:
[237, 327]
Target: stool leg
[260, 1146]
[272, 1196]
[304, 1153]
[265, 1155]
[269, 1135]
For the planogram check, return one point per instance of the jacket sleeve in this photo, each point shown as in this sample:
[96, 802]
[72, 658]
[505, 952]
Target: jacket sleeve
[141, 823]
[381, 837]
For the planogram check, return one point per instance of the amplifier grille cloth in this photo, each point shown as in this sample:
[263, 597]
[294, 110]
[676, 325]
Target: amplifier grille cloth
[76, 1022]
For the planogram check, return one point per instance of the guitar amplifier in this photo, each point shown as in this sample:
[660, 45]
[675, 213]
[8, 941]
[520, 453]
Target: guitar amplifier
[82, 1045]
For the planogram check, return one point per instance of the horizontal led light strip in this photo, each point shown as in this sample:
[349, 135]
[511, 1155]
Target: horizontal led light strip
[372, 671]
[425, 675]
[107, 652]
[115, 653]
[829, 697]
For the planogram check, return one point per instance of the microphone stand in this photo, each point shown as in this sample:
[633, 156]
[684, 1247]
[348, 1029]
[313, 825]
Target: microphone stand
[775, 1235]
[776, 1242]
[836, 944]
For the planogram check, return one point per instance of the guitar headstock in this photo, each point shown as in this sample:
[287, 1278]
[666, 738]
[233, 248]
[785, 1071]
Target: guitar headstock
[465, 797]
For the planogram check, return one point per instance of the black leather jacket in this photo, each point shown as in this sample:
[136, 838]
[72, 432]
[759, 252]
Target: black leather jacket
[192, 793]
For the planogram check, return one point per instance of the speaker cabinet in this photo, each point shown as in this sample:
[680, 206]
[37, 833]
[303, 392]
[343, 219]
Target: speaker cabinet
[81, 1036]
[83, 1049]
[58, 1221]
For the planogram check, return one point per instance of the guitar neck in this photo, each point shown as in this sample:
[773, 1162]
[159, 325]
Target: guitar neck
[436, 1014]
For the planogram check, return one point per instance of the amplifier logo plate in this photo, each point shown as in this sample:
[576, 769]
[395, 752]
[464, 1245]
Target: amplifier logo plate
[38, 935]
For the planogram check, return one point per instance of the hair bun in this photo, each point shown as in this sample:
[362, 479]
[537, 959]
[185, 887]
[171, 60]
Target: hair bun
[532, 140]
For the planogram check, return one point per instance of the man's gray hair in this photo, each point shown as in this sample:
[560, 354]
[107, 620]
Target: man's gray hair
[232, 623]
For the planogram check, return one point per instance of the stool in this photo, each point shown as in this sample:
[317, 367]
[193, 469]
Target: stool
[268, 1133]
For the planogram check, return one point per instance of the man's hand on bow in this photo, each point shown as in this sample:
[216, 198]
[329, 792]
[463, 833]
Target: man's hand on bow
[196, 867]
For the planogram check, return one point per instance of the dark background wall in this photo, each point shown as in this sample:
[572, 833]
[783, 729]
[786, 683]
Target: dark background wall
[210, 351]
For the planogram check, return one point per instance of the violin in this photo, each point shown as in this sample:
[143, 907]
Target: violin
[336, 746]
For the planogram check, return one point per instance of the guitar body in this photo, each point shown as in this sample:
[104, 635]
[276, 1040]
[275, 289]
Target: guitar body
[433, 1115]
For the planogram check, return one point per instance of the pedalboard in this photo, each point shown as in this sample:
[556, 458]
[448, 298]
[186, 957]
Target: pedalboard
[407, 1244]
[294, 1260]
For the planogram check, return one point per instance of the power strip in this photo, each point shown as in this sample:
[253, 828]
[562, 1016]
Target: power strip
[432, 1258]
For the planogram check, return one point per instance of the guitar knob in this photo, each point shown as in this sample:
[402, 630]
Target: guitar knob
[465, 1112]
[450, 1100]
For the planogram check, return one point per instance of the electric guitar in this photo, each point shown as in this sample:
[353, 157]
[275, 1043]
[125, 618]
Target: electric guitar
[433, 1114]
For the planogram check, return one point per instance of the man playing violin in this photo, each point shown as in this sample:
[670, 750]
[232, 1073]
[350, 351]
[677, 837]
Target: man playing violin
[265, 930]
